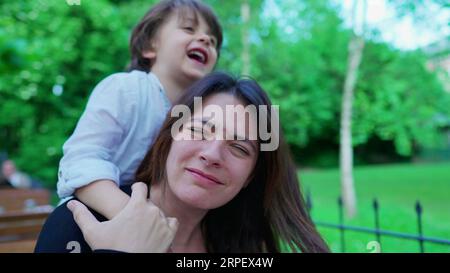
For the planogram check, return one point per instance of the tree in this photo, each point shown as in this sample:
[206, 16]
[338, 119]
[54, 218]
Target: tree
[240, 23]
[405, 100]
[54, 54]
[245, 14]
[355, 51]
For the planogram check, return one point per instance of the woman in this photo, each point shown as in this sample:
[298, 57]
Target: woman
[227, 194]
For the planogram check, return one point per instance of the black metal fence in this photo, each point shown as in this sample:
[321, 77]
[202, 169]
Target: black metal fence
[420, 238]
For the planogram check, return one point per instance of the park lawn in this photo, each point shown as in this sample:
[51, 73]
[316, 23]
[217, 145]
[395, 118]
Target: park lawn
[397, 188]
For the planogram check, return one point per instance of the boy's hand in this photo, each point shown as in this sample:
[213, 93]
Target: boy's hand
[139, 227]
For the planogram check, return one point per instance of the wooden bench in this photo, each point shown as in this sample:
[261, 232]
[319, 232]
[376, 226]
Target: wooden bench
[20, 223]
[20, 230]
[17, 199]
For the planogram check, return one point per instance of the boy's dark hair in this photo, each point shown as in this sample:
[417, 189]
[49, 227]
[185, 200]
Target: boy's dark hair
[147, 28]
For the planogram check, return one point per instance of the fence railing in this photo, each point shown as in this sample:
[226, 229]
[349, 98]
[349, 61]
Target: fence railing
[377, 231]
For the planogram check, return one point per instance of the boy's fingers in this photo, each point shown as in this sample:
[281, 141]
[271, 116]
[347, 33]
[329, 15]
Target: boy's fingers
[139, 192]
[82, 216]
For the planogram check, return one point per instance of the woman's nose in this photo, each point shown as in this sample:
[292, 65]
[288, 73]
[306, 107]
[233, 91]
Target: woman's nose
[211, 155]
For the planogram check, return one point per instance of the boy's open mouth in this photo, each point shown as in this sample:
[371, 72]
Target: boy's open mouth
[198, 55]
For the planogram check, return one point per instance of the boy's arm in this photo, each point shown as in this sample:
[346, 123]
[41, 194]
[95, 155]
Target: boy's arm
[104, 197]
[89, 152]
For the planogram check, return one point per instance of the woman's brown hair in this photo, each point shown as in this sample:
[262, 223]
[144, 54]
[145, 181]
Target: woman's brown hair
[266, 216]
[146, 30]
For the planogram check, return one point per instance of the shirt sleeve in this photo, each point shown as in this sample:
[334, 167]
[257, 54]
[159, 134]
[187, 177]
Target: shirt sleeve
[88, 153]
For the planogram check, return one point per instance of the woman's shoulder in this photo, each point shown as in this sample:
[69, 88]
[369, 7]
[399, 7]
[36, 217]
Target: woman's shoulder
[60, 232]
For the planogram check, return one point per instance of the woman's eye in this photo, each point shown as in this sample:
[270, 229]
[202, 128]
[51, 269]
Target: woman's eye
[240, 149]
[191, 29]
[197, 131]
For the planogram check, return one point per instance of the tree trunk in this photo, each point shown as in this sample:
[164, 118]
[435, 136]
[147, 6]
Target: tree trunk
[355, 50]
[245, 14]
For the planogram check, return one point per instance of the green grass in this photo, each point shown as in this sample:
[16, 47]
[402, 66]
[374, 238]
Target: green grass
[397, 188]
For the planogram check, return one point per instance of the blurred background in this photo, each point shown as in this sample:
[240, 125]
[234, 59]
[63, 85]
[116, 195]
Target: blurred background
[53, 53]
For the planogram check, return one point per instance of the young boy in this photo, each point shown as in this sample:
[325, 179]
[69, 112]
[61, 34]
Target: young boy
[176, 43]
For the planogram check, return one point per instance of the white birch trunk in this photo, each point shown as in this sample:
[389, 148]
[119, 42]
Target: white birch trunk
[245, 55]
[355, 50]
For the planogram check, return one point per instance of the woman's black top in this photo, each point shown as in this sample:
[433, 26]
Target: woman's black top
[60, 233]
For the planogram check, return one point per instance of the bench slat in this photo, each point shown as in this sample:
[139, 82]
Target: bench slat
[14, 199]
[25, 246]
[20, 226]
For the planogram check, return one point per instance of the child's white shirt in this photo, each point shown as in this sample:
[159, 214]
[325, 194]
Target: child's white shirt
[120, 123]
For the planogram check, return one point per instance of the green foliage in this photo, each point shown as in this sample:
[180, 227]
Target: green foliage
[404, 100]
[52, 46]
[53, 54]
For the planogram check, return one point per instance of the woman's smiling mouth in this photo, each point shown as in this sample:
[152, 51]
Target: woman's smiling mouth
[203, 177]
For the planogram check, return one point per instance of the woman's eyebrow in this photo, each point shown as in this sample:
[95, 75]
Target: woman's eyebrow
[204, 122]
[209, 124]
[235, 137]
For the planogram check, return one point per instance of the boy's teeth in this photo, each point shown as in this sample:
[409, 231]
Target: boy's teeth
[199, 56]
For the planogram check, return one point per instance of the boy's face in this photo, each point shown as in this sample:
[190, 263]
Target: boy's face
[184, 48]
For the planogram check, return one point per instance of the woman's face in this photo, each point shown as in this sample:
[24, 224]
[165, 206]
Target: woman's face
[208, 173]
